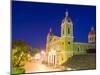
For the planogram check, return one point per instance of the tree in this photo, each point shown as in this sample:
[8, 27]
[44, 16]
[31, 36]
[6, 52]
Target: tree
[19, 53]
[35, 51]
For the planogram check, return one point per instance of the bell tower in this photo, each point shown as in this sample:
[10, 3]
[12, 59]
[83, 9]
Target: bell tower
[92, 36]
[66, 26]
[67, 34]
[49, 36]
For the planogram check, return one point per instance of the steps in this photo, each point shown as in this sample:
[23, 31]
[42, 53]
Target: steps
[81, 62]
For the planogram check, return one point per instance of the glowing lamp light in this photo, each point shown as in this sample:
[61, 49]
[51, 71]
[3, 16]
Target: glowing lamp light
[42, 52]
[37, 56]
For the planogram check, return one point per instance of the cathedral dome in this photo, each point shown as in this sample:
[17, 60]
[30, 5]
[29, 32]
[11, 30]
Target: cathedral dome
[91, 36]
[66, 18]
[92, 32]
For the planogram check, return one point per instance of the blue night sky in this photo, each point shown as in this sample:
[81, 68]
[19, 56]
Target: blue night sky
[31, 21]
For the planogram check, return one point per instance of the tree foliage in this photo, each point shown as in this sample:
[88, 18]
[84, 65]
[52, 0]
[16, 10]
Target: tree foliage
[34, 51]
[17, 71]
[19, 53]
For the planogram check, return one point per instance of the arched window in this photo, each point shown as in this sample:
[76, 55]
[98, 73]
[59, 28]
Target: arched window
[68, 30]
[90, 38]
[54, 59]
[63, 31]
[68, 20]
[62, 58]
[78, 49]
[62, 43]
[69, 43]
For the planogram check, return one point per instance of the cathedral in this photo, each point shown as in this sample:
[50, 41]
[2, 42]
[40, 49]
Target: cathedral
[60, 48]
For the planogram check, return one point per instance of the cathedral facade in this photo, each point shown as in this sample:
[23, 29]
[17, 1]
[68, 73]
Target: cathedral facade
[60, 49]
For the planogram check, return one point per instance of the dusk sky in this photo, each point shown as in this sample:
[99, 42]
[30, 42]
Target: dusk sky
[31, 21]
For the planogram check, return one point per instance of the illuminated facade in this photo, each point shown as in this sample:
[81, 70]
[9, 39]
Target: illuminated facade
[59, 49]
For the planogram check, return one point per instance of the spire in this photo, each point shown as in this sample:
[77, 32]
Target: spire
[50, 32]
[66, 13]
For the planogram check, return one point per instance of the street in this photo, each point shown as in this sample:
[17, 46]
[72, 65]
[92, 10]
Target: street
[37, 66]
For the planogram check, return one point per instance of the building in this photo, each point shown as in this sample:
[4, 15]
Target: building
[59, 49]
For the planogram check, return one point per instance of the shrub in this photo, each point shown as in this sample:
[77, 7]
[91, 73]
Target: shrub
[17, 71]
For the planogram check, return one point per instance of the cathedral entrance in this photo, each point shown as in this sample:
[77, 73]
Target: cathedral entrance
[52, 58]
